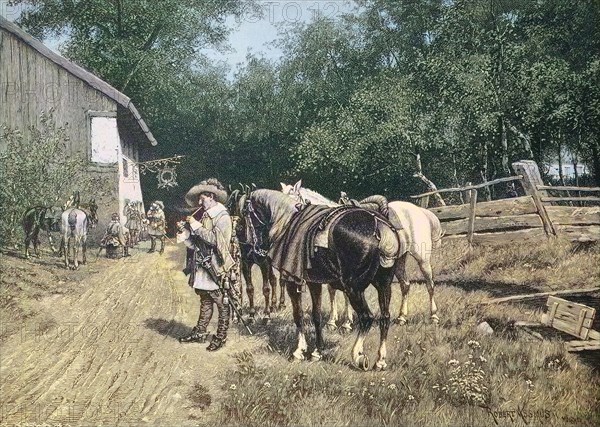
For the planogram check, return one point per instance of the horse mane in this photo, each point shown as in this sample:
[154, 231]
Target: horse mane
[316, 198]
[280, 206]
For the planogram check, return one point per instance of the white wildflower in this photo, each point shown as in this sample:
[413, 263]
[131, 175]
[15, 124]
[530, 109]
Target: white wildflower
[474, 344]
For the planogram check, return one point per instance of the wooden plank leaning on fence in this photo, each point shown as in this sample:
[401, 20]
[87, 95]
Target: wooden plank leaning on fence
[517, 298]
[531, 179]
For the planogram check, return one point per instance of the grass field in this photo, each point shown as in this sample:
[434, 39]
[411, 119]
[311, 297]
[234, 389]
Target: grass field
[446, 375]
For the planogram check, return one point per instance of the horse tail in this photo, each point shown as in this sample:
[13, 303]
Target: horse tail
[437, 231]
[389, 245]
[72, 220]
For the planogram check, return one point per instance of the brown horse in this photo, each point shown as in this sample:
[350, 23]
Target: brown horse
[249, 256]
[46, 218]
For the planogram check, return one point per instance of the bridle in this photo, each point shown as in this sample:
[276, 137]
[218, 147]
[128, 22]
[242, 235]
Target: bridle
[251, 215]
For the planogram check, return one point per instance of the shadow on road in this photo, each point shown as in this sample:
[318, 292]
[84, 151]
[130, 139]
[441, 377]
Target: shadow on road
[168, 328]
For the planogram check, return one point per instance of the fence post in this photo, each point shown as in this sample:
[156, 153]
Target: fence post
[531, 179]
[467, 194]
[425, 202]
[471, 227]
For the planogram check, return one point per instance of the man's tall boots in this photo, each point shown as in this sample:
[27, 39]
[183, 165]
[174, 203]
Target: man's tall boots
[220, 337]
[152, 245]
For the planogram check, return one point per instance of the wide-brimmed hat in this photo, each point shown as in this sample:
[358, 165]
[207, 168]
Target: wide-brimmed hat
[159, 204]
[209, 186]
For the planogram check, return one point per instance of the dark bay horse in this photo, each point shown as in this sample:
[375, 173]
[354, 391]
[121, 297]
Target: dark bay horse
[360, 248]
[46, 218]
[249, 256]
[75, 223]
[419, 231]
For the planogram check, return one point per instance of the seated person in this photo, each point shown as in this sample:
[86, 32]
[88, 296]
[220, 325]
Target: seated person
[115, 236]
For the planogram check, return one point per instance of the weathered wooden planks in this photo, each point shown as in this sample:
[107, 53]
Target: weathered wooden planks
[572, 318]
[496, 208]
[582, 345]
[504, 237]
[492, 224]
[568, 215]
[517, 298]
[583, 233]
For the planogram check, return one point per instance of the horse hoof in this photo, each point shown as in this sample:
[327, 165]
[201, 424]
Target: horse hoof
[251, 320]
[281, 307]
[315, 356]
[362, 362]
[346, 328]
[331, 326]
[435, 319]
[266, 320]
[298, 355]
[400, 321]
[381, 366]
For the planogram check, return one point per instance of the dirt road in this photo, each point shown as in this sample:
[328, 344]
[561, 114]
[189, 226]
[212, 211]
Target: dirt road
[109, 355]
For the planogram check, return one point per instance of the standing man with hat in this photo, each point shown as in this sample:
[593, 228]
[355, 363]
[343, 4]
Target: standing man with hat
[157, 225]
[209, 240]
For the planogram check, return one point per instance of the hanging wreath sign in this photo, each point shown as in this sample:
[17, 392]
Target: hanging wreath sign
[164, 170]
[167, 178]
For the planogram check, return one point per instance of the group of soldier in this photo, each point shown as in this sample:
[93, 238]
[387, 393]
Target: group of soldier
[207, 234]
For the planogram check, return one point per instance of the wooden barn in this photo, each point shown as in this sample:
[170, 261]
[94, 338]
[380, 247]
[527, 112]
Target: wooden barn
[103, 123]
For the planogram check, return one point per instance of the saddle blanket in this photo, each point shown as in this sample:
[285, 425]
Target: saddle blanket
[292, 253]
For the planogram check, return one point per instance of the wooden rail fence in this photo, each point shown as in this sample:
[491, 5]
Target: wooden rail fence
[531, 217]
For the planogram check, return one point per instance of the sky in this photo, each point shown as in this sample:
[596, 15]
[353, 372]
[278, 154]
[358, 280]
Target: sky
[254, 32]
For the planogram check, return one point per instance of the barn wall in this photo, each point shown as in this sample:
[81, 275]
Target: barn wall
[31, 84]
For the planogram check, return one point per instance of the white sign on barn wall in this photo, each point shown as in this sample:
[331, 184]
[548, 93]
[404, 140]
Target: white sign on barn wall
[105, 140]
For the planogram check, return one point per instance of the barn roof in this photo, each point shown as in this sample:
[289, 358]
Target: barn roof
[79, 72]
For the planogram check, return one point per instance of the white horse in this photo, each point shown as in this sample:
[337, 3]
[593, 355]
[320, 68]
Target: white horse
[419, 231]
[75, 223]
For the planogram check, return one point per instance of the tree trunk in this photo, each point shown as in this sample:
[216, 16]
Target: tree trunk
[525, 139]
[596, 163]
[484, 170]
[560, 164]
[455, 175]
[504, 145]
[430, 185]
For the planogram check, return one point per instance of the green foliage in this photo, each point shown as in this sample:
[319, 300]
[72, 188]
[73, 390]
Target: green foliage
[469, 86]
[36, 170]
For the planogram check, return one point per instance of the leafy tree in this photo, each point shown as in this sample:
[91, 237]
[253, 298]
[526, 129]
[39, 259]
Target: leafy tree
[36, 170]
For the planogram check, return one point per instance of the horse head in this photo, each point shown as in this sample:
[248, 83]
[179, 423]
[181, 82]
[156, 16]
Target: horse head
[257, 224]
[295, 192]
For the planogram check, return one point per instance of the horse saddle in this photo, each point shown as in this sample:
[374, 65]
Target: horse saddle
[321, 232]
[377, 203]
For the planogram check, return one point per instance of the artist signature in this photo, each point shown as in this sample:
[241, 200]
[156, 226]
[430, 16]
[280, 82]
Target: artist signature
[519, 414]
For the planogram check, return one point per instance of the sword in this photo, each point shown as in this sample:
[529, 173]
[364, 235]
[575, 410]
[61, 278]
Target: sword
[207, 265]
[237, 311]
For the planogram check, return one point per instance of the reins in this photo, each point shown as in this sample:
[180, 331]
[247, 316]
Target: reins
[250, 211]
